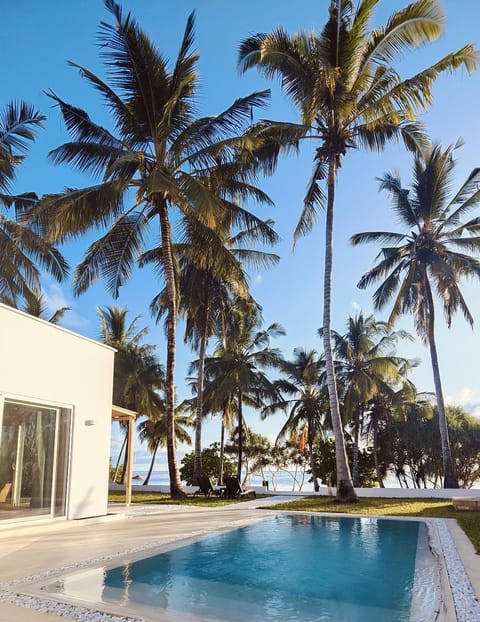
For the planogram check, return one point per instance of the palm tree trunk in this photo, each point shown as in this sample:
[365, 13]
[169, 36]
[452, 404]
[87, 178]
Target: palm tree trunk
[449, 478]
[375, 454]
[313, 467]
[345, 490]
[125, 458]
[356, 434]
[222, 450]
[197, 465]
[240, 436]
[115, 474]
[150, 470]
[176, 489]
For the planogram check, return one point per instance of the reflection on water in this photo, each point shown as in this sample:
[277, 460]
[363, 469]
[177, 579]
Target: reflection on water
[287, 568]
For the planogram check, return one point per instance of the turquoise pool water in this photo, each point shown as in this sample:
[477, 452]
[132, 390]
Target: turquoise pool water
[287, 568]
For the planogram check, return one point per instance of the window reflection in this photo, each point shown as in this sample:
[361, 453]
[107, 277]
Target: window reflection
[34, 453]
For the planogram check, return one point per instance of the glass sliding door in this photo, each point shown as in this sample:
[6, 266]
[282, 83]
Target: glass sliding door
[34, 456]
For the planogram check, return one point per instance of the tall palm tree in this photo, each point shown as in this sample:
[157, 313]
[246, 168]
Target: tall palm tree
[205, 292]
[157, 159]
[236, 370]
[138, 377]
[366, 367]
[303, 380]
[432, 255]
[23, 253]
[343, 82]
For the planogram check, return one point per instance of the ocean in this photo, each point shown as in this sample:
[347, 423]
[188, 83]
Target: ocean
[281, 481]
[278, 481]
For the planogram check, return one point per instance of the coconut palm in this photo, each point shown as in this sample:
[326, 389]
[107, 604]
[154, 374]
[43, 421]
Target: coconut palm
[23, 252]
[236, 370]
[153, 167]
[343, 82]
[35, 305]
[304, 380]
[137, 377]
[115, 331]
[154, 432]
[366, 367]
[431, 256]
[205, 292]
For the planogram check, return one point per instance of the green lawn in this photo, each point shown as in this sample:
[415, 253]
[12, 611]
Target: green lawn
[162, 498]
[422, 508]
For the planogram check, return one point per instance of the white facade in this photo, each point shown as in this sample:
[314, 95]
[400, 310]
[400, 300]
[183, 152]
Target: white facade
[47, 372]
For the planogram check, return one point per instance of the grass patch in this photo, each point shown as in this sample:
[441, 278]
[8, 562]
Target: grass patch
[418, 508]
[163, 498]
[469, 521]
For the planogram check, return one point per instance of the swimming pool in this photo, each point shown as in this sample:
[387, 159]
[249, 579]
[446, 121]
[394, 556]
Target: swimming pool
[285, 568]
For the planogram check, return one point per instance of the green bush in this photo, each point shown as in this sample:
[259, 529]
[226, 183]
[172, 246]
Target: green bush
[210, 465]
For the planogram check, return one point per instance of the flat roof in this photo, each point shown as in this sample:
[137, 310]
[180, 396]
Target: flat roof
[4, 307]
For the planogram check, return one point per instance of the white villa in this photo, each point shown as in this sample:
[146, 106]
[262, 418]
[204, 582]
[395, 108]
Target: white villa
[55, 420]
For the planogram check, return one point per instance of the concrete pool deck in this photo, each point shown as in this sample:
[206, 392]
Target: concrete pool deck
[37, 549]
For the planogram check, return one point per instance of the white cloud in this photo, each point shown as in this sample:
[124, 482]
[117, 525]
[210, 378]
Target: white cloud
[462, 398]
[465, 398]
[355, 306]
[73, 320]
[258, 280]
[55, 299]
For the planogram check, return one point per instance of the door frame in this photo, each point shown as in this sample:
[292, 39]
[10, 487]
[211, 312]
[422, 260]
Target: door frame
[6, 397]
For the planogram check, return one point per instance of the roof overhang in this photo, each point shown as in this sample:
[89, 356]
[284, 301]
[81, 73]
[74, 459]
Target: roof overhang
[123, 414]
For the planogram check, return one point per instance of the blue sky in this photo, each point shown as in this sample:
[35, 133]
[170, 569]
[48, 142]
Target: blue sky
[36, 44]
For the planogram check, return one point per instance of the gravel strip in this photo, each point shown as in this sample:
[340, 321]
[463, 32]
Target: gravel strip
[467, 606]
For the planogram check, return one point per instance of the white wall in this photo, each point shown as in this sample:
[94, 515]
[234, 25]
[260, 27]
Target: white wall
[41, 362]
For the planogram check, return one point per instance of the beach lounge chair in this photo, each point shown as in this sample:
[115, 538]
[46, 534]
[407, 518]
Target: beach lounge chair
[4, 490]
[234, 490]
[205, 487]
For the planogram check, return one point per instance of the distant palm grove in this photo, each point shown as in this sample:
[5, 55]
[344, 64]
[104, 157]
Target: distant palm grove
[173, 190]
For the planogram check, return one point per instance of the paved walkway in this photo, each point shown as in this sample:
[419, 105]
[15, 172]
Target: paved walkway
[34, 550]
[30, 551]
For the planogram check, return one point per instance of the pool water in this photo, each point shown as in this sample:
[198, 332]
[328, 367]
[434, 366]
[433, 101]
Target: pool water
[287, 568]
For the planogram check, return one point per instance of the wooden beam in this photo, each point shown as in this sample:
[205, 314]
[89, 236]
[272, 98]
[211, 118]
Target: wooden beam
[128, 476]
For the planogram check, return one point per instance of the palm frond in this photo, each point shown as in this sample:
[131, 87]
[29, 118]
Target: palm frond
[112, 257]
[382, 237]
[418, 23]
[67, 215]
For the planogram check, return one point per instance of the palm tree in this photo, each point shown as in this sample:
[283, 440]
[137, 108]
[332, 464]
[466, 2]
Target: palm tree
[154, 431]
[205, 292]
[137, 377]
[114, 329]
[349, 95]
[235, 371]
[433, 254]
[35, 305]
[383, 409]
[21, 249]
[366, 367]
[158, 159]
[308, 406]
